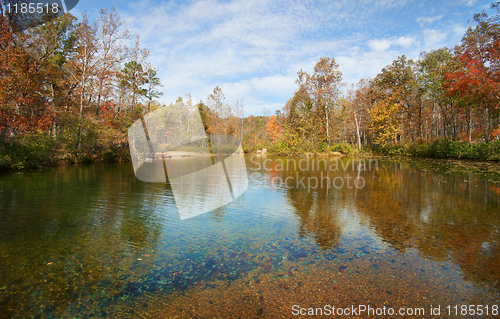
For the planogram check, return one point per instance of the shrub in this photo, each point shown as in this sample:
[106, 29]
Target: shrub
[5, 162]
[30, 151]
[343, 148]
[444, 149]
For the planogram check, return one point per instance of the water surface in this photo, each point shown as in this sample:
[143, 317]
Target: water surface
[93, 241]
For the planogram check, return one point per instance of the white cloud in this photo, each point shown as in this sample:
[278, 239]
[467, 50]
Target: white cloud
[253, 49]
[428, 20]
[469, 3]
[276, 84]
[404, 42]
[458, 29]
[379, 45]
[365, 64]
[434, 38]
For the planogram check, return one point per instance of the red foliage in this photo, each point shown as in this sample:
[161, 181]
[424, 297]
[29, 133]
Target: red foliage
[495, 134]
[108, 109]
[21, 105]
[478, 82]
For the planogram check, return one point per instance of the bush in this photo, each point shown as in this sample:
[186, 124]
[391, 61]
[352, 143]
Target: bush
[399, 150]
[5, 162]
[444, 149]
[280, 148]
[30, 151]
[343, 148]
[309, 146]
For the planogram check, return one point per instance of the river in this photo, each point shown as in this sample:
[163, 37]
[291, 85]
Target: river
[309, 235]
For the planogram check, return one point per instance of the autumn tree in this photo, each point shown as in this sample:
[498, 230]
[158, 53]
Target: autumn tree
[300, 121]
[32, 73]
[323, 89]
[359, 100]
[433, 67]
[111, 53]
[384, 124]
[273, 129]
[58, 80]
[221, 113]
[364, 100]
[397, 82]
[477, 82]
[83, 66]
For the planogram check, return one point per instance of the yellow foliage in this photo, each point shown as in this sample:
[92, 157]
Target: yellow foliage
[385, 124]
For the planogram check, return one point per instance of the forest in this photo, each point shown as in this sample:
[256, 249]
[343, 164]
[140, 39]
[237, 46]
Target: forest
[445, 104]
[70, 89]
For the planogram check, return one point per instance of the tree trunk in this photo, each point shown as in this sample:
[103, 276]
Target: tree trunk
[420, 133]
[327, 125]
[454, 115]
[82, 97]
[487, 130]
[469, 125]
[98, 106]
[241, 133]
[3, 134]
[357, 131]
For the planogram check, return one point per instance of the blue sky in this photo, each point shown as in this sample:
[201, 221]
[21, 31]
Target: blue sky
[253, 49]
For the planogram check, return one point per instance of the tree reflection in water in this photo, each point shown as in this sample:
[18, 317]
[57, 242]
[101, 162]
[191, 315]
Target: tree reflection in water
[446, 217]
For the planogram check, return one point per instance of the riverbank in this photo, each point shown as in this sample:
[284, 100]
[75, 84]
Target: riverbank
[40, 150]
[439, 149]
[446, 156]
[484, 151]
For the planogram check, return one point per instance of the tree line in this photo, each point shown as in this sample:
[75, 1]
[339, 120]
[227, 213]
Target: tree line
[446, 94]
[70, 89]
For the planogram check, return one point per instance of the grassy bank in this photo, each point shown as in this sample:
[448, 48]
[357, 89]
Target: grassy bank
[41, 150]
[484, 151]
[439, 149]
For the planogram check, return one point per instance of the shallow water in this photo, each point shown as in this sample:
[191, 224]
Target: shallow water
[93, 241]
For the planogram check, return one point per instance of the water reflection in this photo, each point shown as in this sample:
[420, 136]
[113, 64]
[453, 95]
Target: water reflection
[71, 233]
[94, 241]
[446, 217]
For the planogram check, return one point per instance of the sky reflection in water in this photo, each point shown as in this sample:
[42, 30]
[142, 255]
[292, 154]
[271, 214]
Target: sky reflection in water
[93, 240]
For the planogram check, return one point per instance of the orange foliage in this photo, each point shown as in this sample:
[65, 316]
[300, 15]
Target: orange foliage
[273, 128]
[495, 134]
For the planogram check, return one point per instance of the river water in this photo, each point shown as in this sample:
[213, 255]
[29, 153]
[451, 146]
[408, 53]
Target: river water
[309, 235]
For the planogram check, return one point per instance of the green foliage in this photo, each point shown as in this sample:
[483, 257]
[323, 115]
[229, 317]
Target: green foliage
[343, 148]
[29, 151]
[280, 148]
[489, 151]
[5, 161]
